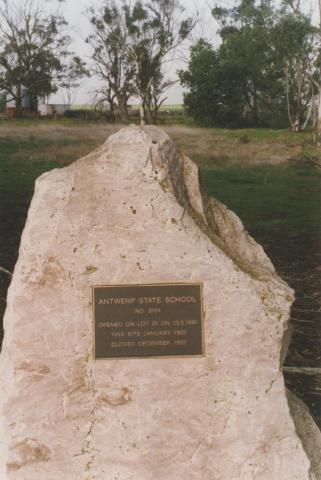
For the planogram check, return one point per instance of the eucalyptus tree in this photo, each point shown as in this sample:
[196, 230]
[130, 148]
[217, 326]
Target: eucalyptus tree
[156, 95]
[246, 34]
[112, 64]
[231, 84]
[317, 122]
[73, 73]
[131, 41]
[33, 48]
[297, 46]
[214, 90]
[270, 57]
[155, 29]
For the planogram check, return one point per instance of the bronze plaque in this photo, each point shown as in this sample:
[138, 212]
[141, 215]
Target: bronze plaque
[157, 320]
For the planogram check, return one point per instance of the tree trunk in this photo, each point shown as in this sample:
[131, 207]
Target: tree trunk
[319, 103]
[319, 118]
[123, 107]
[34, 104]
[18, 101]
[297, 125]
[147, 113]
[150, 115]
[112, 110]
[142, 113]
[255, 108]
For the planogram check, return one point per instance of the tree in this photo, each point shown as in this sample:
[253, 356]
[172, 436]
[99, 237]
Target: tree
[112, 64]
[247, 48]
[215, 96]
[2, 102]
[130, 43]
[155, 95]
[155, 29]
[297, 50]
[238, 75]
[272, 58]
[318, 121]
[33, 48]
[73, 72]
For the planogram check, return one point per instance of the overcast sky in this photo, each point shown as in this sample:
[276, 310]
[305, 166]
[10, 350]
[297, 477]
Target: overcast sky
[74, 11]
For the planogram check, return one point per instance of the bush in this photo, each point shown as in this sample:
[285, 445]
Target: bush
[215, 97]
[88, 114]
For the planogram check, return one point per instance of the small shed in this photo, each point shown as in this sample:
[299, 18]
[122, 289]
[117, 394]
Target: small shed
[45, 109]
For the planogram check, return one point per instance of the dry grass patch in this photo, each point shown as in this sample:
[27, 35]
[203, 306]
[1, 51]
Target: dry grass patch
[217, 148]
[209, 147]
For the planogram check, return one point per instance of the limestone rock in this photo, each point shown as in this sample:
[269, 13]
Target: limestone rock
[308, 431]
[132, 212]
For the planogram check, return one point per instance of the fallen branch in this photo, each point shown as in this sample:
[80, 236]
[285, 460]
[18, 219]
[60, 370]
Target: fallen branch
[306, 159]
[4, 270]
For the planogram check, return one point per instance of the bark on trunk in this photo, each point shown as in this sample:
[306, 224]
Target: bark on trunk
[142, 113]
[112, 110]
[255, 108]
[319, 119]
[18, 101]
[318, 139]
[34, 104]
[123, 107]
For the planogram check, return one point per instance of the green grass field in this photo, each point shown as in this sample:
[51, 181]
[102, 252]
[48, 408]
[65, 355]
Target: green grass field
[273, 200]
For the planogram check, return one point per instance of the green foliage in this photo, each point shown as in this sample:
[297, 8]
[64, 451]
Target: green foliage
[130, 43]
[33, 47]
[154, 30]
[261, 73]
[73, 72]
[297, 49]
[214, 96]
[112, 63]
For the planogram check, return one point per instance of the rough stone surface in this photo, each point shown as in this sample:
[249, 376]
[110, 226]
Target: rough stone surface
[308, 431]
[132, 212]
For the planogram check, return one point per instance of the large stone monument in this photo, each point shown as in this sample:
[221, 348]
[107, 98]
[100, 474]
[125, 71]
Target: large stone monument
[180, 286]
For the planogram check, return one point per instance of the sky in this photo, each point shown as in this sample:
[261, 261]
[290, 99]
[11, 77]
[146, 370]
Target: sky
[74, 12]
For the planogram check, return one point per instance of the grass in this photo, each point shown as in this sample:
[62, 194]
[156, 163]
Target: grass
[215, 147]
[272, 200]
